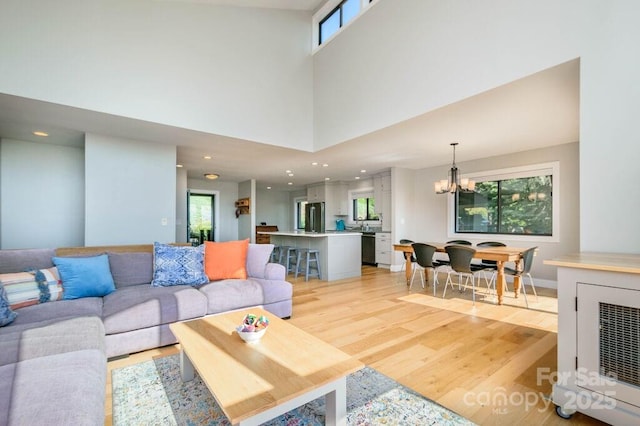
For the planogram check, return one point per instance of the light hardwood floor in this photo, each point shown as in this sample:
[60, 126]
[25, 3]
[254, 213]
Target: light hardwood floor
[488, 363]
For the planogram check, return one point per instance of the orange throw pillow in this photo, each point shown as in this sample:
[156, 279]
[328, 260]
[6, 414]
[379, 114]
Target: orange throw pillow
[226, 260]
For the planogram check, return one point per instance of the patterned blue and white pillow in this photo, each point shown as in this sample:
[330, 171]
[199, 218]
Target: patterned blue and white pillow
[6, 314]
[178, 265]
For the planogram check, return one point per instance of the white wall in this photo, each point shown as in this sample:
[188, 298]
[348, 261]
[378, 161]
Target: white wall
[238, 72]
[228, 226]
[181, 205]
[429, 215]
[274, 208]
[41, 195]
[404, 216]
[609, 132]
[247, 222]
[402, 59]
[130, 191]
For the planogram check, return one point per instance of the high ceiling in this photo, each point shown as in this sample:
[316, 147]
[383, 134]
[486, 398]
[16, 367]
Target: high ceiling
[536, 111]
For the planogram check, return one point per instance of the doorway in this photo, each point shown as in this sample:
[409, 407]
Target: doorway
[200, 217]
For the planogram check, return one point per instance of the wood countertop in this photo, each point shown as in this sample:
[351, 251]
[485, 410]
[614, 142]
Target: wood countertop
[612, 262]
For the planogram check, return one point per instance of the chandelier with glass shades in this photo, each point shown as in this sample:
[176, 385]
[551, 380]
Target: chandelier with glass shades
[454, 183]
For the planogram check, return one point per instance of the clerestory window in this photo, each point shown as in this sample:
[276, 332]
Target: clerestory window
[341, 13]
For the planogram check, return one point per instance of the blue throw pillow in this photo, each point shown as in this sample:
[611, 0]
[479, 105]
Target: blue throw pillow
[178, 265]
[6, 314]
[85, 276]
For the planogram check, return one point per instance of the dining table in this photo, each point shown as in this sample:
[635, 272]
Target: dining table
[500, 255]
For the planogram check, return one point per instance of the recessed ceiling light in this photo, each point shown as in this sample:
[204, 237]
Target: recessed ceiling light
[357, 177]
[325, 165]
[327, 178]
[287, 171]
[363, 171]
[40, 133]
[178, 165]
[211, 176]
[315, 163]
[207, 157]
[290, 174]
[268, 187]
[289, 183]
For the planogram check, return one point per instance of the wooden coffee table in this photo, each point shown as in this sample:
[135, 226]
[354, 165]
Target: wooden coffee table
[254, 383]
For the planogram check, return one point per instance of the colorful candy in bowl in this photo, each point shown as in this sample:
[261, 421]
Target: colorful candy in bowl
[252, 328]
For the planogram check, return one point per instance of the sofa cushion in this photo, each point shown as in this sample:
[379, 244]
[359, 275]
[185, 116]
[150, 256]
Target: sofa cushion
[33, 287]
[275, 271]
[51, 312]
[85, 276]
[61, 389]
[258, 255]
[6, 313]
[141, 306]
[130, 269]
[7, 372]
[276, 290]
[52, 338]
[178, 265]
[21, 260]
[226, 260]
[227, 295]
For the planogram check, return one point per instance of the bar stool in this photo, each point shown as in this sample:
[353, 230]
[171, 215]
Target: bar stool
[282, 254]
[290, 255]
[311, 256]
[275, 254]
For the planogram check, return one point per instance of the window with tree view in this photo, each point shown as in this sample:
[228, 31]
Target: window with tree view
[301, 214]
[364, 209]
[520, 206]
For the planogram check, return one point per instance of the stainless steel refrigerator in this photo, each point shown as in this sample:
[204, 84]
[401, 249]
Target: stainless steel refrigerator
[314, 217]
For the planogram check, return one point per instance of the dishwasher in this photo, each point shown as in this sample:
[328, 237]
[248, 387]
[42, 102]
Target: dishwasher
[369, 248]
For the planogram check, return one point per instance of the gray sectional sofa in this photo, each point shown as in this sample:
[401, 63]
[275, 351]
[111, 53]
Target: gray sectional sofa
[53, 355]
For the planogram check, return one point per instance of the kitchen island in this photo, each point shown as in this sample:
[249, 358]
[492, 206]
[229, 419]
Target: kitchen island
[340, 251]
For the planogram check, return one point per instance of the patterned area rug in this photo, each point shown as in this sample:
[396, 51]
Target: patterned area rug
[152, 393]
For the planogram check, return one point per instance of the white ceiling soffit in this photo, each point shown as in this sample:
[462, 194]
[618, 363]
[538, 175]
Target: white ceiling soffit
[537, 111]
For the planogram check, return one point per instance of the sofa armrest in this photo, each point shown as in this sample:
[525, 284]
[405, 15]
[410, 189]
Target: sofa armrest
[275, 271]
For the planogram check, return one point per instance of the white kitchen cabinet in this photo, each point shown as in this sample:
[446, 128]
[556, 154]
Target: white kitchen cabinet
[316, 193]
[386, 182]
[384, 249]
[377, 193]
[335, 197]
[330, 204]
[385, 216]
[341, 197]
[382, 195]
